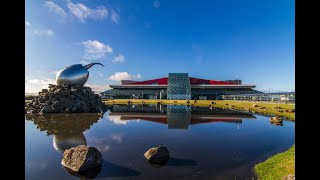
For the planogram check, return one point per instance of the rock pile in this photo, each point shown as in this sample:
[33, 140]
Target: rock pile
[67, 99]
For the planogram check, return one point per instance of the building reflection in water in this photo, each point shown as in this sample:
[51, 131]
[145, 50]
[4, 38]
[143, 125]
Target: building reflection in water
[177, 116]
[67, 129]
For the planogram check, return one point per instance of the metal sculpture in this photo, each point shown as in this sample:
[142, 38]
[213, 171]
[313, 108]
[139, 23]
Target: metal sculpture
[76, 74]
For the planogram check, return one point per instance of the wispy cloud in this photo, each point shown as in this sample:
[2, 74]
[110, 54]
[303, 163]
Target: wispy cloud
[27, 24]
[84, 62]
[118, 76]
[43, 32]
[118, 59]
[83, 12]
[156, 4]
[39, 32]
[118, 138]
[115, 16]
[54, 8]
[94, 49]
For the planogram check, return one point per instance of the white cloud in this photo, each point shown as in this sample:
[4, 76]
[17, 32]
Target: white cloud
[100, 74]
[27, 24]
[117, 120]
[43, 32]
[156, 4]
[83, 12]
[97, 88]
[55, 9]
[95, 49]
[35, 85]
[115, 16]
[118, 59]
[118, 76]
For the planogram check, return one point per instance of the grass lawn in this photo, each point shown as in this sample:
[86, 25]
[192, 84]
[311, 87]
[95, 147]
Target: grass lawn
[277, 166]
[269, 107]
[238, 105]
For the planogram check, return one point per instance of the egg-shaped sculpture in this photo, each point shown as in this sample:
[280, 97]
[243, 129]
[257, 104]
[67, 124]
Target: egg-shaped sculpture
[76, 74]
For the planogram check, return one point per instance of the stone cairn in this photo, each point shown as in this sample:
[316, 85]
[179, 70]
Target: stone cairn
[66, 99]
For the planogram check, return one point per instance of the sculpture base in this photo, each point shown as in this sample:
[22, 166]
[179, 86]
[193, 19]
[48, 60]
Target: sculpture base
[64, 98]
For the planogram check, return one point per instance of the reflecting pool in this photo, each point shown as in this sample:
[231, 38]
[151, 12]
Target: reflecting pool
[203, 143]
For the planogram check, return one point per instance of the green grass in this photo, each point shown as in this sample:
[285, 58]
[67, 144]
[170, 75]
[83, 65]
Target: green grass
[269, 107]
[277, 166]
[239, 105]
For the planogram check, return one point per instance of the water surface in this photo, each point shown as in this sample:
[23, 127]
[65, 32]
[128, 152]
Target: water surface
[203, 143]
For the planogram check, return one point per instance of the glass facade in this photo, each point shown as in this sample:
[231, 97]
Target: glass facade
[178, 116]
[178, 86]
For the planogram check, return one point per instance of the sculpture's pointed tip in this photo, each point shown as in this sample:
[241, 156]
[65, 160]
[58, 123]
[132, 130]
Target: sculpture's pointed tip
[91, 64]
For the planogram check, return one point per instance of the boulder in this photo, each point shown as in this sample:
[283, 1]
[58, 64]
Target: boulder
[81, 158]
[44, 90]
[46, 109]
[56, 104]
[157, 155]
[42, 99]
[276, 119]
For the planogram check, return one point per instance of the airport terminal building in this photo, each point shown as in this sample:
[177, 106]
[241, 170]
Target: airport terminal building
[177, 86]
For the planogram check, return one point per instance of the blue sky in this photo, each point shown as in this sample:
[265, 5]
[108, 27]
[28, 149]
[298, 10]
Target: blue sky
[146, 39]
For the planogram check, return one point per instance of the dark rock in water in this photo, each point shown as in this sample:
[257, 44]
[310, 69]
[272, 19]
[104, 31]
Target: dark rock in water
[157, 155]
[81, 158]
[62, 98]
[276, 119]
